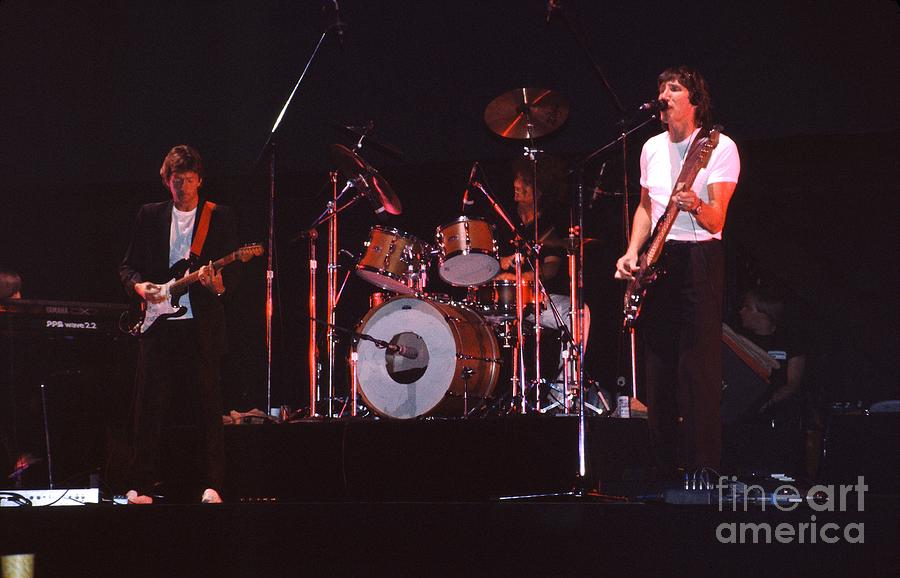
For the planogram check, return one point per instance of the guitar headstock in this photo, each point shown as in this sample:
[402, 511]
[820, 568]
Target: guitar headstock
[248, 252]
[712, 141]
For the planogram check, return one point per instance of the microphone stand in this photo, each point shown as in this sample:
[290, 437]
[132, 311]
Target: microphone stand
[557, 5]
[580, 486]
[268, 148]
[518, 380]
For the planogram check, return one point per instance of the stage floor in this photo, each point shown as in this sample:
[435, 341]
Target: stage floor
[579, 536]
[426, 497]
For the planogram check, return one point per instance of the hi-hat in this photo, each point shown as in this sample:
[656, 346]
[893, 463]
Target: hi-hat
[365, 177]
[526, 113]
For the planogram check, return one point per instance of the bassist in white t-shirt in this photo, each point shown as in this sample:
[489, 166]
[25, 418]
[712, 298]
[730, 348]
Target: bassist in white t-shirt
[680, 324]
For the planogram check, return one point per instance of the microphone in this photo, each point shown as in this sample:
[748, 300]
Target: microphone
[339, 25]
[402, 350]
[655, 105]
[598, 190]
[466, 202]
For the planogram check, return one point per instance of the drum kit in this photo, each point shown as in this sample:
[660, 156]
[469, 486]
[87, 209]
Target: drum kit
[420, 354]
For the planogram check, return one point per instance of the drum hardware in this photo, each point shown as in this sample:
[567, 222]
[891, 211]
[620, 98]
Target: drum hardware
[364, 132]
[518, 379]
[527, 114]
[367, 183]
[366, 179]
[354, 390]
[466, 373]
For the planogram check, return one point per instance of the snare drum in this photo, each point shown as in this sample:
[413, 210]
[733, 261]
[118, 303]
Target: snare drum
[468, 251]
[391, 258]
[451, 360]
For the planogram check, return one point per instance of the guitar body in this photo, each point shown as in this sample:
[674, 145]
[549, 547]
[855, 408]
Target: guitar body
[178, 285]
[637, 288]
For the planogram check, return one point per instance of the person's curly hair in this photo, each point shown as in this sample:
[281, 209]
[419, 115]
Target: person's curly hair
[551, 177]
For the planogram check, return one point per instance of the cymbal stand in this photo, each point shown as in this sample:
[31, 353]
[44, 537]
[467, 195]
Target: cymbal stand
[330, 215]
[313, 355]
[531, 152]
[332, 288]
[519, 383]
[580, 485]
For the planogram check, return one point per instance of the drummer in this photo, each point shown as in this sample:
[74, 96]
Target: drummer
[553, 230]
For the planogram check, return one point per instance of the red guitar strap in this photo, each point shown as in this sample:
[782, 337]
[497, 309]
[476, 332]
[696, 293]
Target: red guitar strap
[202, 229]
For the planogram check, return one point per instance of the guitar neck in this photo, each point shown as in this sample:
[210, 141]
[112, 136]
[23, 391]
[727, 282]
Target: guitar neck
[191, 278]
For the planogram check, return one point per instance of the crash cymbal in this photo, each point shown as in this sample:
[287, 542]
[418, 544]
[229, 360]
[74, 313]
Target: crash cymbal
[370, 181]
[508, 114]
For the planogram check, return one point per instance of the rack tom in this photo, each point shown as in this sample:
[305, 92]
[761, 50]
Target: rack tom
[391, 259]
[467, 251]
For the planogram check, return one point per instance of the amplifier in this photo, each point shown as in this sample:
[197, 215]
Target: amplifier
[59, 497]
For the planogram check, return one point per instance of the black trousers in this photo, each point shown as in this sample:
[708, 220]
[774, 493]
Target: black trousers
[681, 332]
[177, 363]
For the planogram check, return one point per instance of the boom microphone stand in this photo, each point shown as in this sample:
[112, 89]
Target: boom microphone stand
[268, 148]
[519, 402]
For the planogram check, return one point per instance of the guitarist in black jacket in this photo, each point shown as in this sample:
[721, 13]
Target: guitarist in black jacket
[179, 355]
[680, 327]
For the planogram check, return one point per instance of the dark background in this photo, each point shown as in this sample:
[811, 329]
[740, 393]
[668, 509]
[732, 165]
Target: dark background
[94, 93]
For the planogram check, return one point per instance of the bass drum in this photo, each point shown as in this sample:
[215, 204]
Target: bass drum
[450, 352]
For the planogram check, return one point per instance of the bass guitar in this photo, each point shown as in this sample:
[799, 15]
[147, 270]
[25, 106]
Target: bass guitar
[173, 290]
[648, 270]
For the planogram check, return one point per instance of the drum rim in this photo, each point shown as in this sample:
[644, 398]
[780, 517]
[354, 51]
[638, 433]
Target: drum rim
[396, 231]
[382, 272]
[460, 252]
[463, 218]
[406, 291]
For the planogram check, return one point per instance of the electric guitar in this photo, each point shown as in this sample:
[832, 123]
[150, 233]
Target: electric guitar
[648, 270]
[173, 290]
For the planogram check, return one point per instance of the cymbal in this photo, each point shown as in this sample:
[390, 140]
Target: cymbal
[508, 114]
[370, 181]
[366, 131]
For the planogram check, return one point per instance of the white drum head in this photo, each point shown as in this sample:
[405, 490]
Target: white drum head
[385, 282]
[469, 269]
[393, 385]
